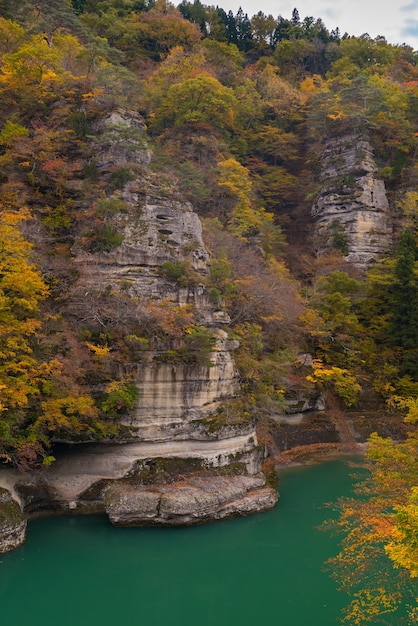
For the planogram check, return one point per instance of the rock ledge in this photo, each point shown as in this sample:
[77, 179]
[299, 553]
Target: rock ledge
[191, 501]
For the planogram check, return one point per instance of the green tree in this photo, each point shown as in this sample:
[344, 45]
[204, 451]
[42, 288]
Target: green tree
[335, 330]
[367, 53]
[262, 28]
[201, 100]
[176, 68]
[225, 61]
[44, 16]
[11, 36]
[405, 303]
[154, 33]
[195, 12]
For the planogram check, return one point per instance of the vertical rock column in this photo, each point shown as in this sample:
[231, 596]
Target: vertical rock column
[352, 212]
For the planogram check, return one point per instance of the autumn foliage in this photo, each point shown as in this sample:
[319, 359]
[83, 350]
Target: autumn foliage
[378, 561]
[236, 110]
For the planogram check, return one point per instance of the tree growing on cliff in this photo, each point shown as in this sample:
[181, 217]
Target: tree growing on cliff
[22, 288]
[21, 291]
[39, 400]
[199, 100]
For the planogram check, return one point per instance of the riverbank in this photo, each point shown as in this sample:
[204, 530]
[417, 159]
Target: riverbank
[140, 484]
[316, 453]
[143, 484]
[333, 433]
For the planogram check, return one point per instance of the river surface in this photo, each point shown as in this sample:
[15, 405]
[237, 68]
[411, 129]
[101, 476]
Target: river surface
[258, 571]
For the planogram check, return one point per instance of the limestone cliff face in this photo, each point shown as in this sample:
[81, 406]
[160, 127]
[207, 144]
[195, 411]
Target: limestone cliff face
[157, 227]
[177, 413]
[155, 230]
[175, 398]
[172, 396]
[352, 211]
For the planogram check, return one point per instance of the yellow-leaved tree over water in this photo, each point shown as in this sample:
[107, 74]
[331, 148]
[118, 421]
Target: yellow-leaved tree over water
[378, 562]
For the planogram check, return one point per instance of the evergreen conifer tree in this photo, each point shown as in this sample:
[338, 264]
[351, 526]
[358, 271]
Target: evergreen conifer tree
[405, 303]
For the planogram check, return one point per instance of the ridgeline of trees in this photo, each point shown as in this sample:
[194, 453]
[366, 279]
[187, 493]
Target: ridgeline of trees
[237, 109]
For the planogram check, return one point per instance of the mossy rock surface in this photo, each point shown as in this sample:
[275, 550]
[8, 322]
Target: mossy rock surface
[12, 523]
[161, 470]
[10, 512]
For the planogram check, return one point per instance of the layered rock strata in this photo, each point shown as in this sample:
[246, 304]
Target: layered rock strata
[172, 395]
[178, 416]
[140, 484]
[352, 213]
[175, 398]
[187, 502]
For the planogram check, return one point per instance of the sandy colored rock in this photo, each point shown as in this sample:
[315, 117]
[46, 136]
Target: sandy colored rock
[352, 211]
[191, 501]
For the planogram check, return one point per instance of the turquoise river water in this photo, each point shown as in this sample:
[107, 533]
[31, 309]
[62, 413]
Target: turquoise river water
[257, 571]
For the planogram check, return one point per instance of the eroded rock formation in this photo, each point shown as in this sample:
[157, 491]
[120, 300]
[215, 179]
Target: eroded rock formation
[141, 483]
[177, 415]
[193, 501]
[352, 212]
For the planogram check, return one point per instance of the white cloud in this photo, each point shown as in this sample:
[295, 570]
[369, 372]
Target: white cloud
[411, 29]
[412, 6]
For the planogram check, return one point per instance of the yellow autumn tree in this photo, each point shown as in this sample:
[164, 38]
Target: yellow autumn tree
[37, 402]
[377, 564]
[340, 380]
[21, 290]
[245, 220]
[36, 71]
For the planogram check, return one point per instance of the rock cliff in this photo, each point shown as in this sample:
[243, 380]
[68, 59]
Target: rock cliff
[180, 399]
[352, 212]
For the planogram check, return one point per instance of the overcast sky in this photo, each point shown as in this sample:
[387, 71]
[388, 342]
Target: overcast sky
[397, 20]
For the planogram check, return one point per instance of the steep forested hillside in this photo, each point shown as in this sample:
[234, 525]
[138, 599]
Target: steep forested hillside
[296, 146]
[237, 112]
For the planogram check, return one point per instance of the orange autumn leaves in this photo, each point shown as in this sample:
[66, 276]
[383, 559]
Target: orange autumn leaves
[36, 401]
[378, 561]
